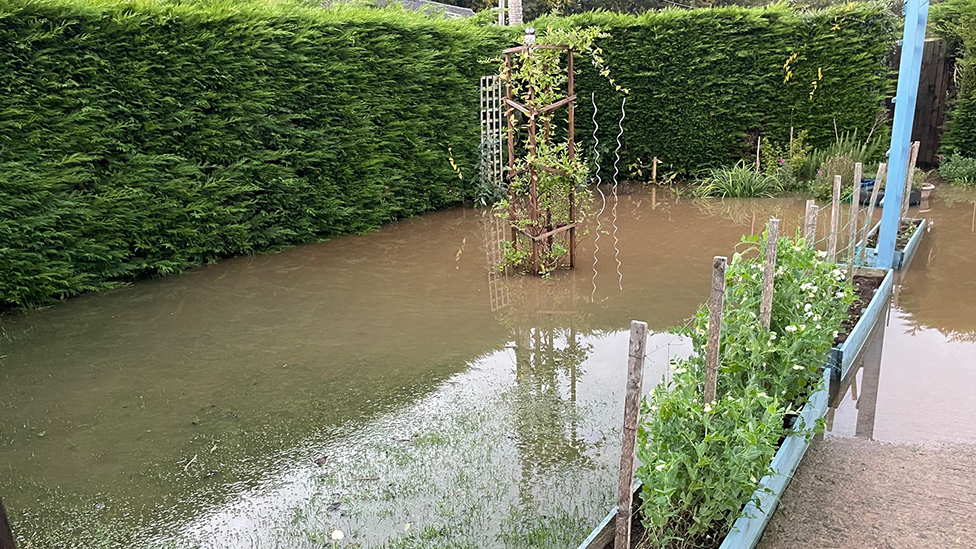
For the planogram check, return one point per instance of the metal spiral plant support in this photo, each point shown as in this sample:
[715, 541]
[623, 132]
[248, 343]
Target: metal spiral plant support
[616, 171]
[603, 198]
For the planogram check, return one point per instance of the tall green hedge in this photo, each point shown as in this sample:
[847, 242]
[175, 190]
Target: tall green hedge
[139, 137]
[142, 137]
[955, 22]
[704, 83]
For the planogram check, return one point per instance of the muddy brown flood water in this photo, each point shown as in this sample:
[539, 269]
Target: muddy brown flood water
[446, 406]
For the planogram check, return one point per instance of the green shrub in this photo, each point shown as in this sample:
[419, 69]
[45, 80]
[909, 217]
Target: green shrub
[703, 83]
[701, 462]
[739, 181]
[868, 151]
[823, 183]
[140, 138]
[958, 170]
[955, 22]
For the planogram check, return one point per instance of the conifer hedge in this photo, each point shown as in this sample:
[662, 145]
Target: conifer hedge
[955, 22]
[704, 83]
[142, 137]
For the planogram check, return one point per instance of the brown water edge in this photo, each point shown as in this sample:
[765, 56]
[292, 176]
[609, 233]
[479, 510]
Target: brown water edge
[189, 410]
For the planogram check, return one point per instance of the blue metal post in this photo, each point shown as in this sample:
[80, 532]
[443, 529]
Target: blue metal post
[913, 42]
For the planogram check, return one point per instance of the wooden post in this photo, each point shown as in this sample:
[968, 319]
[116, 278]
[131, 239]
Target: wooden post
[769, 274]
[635, 379]
[834, 221]
[810, 224]
[882, 173]
[909, 176]
[855, 216]
[654, 171]
[6, 535]
[716, 303]
[571, 138]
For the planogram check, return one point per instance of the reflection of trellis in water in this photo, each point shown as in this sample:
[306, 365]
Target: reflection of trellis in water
[538, 232]
[492, 159]
[494, 233]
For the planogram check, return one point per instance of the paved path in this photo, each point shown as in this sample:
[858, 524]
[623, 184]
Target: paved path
[856, 493]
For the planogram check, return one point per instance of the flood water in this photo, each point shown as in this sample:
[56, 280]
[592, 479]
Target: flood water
[445, 406]
[915, 383]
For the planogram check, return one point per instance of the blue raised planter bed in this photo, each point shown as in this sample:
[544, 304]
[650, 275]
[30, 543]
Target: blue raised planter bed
[842, 356]
[749, 527]
[902, 257]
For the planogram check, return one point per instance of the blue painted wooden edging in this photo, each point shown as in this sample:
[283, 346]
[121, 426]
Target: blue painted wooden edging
[842, 356]
[902, 257]
[749, 528]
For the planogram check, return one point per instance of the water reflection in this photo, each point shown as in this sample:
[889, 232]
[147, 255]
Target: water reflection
[912, 387]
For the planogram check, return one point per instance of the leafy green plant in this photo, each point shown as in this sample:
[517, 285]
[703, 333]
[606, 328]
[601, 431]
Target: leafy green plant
[847, 145]
[958, 170]
[823, 183]
[702, 461]
[790, 157]
[739, 181]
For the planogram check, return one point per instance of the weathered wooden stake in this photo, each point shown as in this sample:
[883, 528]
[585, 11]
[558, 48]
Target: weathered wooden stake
[834, 221]
[882, 173]
[909, 176]
[855, 216]
[635, 379]
[6, 535]
[766, 305]
[716, 302]
[654, 171]
[810, 224]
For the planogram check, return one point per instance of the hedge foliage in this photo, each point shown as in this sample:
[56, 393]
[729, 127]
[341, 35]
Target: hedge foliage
[955, 22]
[705, 82]
[142, 137]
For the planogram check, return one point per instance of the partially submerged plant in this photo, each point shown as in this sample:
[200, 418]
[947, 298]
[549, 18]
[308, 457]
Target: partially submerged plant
[739, 181]
[958, 170]
[702, 461]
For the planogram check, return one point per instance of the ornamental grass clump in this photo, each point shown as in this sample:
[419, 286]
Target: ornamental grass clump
[739, 181]
[702, 461]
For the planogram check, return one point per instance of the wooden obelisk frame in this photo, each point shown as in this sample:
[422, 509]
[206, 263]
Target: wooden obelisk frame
[539, 232]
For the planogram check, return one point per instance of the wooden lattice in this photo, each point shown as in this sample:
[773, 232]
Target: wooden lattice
[538, 233]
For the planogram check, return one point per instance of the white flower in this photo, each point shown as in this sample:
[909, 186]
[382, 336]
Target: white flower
[661, 466]
[818, 326]
[753, 479]
[791, 328]
[753, 314]
[653, 408]
[708, 408]
[762, 395]
[681, 370]
[772, 335]
[797, 367]
[807, 307]
[835, 334]
[809, 314]
[816, 318]
[803, 327]
[821, 254]
[839, 295]
[837, 274]
[337, 535]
